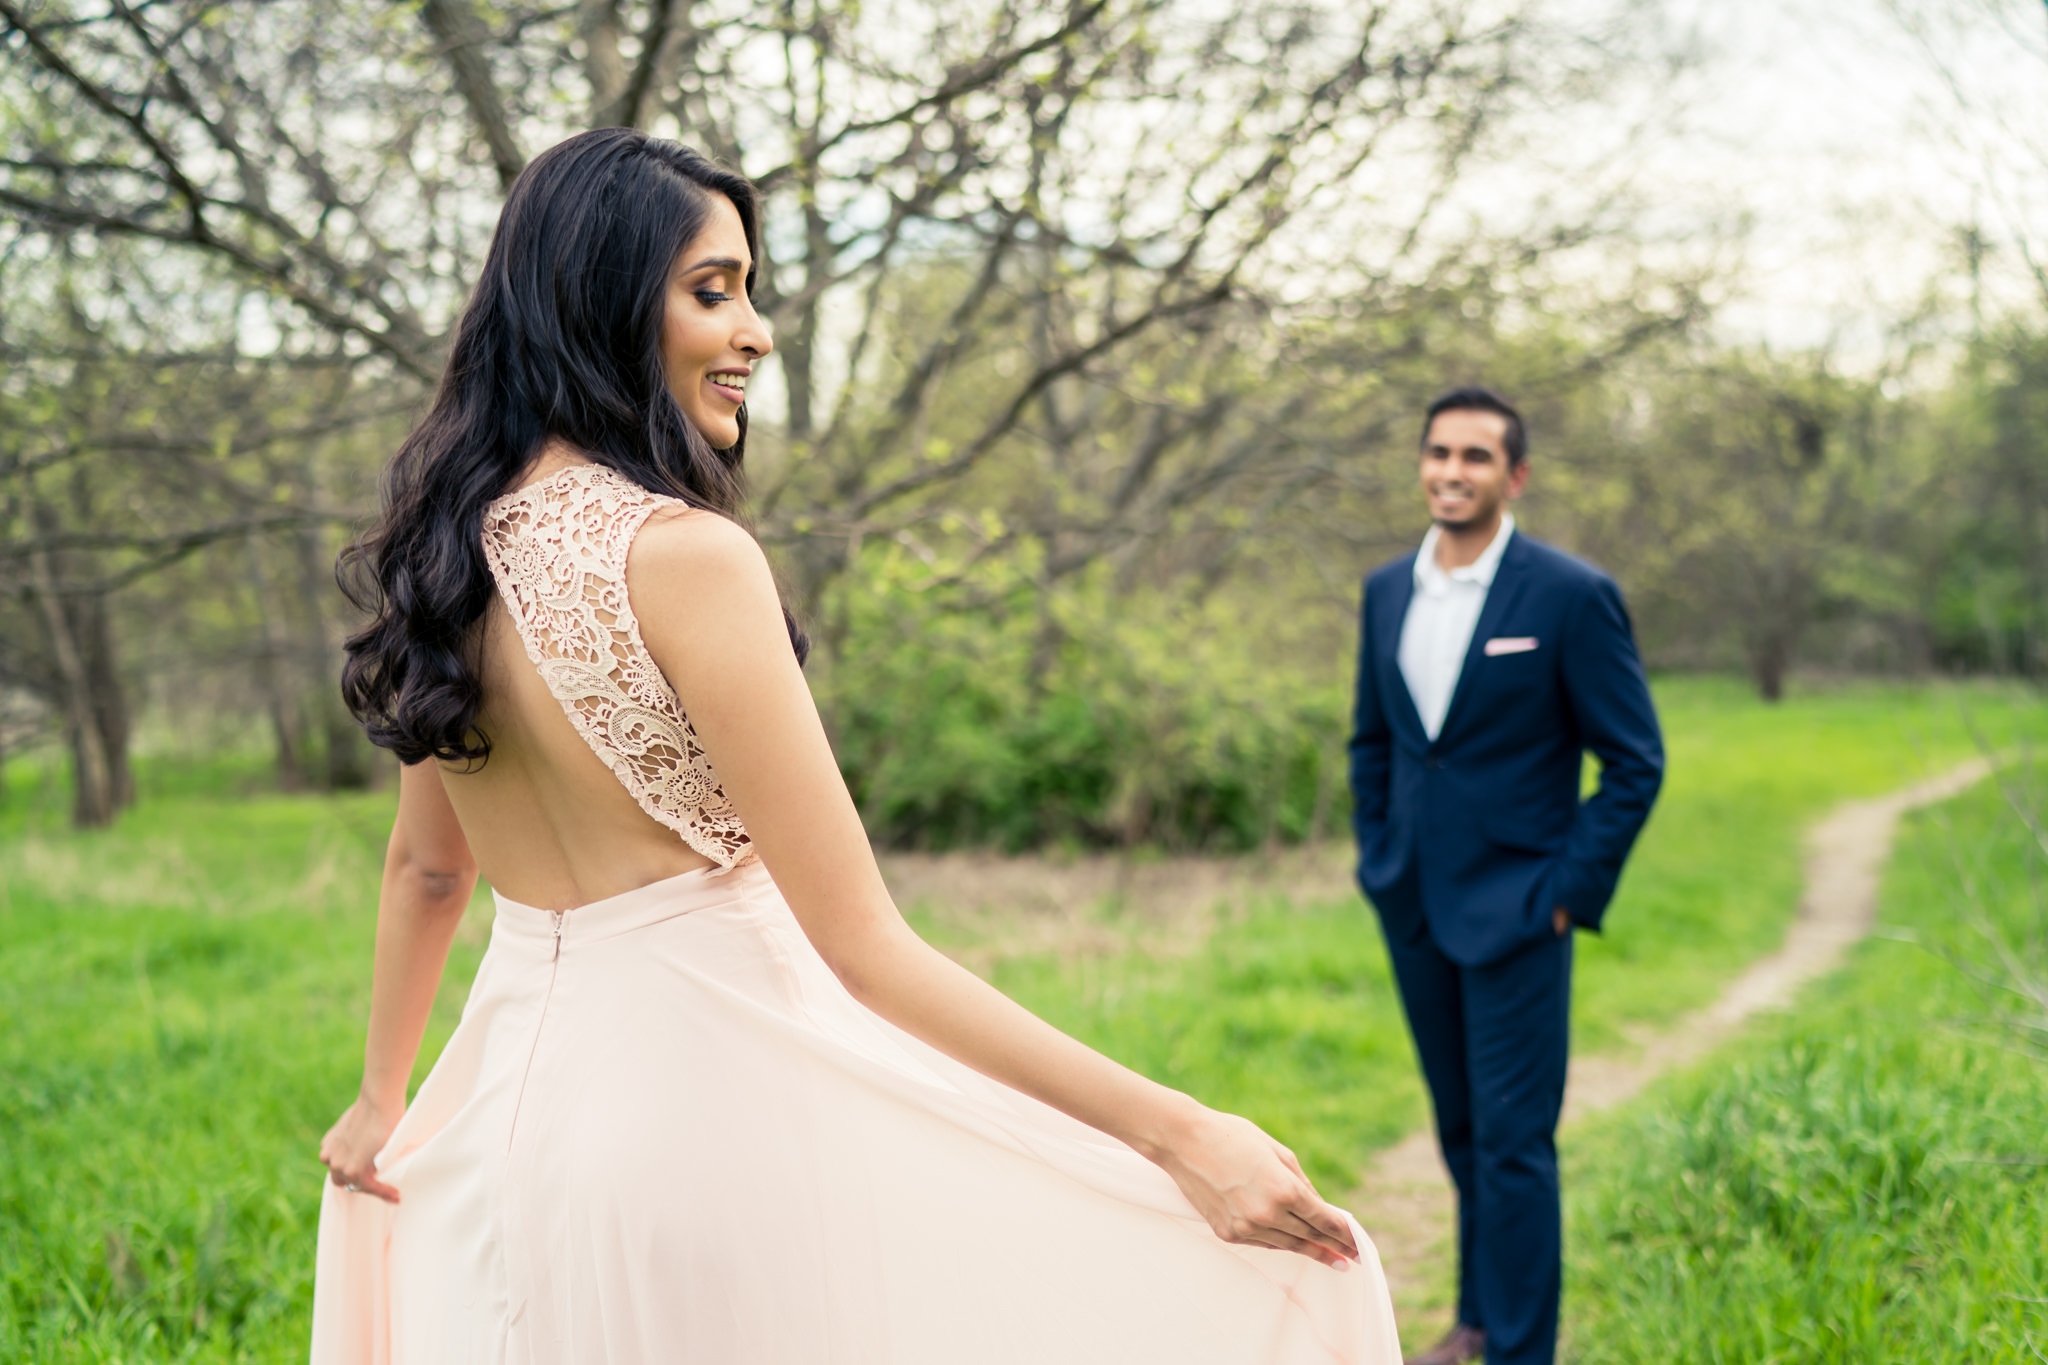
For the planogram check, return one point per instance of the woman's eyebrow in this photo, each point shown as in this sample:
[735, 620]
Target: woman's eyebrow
[721, 262]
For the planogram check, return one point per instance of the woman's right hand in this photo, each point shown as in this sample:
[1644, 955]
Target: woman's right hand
[351, 1146]
[1252, 1190]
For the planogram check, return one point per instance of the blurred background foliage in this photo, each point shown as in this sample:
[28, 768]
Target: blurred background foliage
[1102, 333]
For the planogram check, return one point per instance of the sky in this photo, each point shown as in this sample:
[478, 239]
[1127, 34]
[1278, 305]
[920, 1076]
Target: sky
[1827, 129]
[1832, 127]
[1811, 148]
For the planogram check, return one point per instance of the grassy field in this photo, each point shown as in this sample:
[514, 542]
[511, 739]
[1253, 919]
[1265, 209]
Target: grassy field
[1289, 1014]
[1867, 1180]
[180, 1010]
[181, 1003]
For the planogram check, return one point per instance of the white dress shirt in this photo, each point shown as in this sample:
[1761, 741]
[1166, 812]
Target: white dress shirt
[1442, 614]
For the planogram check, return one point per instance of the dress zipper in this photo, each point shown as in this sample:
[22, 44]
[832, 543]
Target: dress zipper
[546, 999]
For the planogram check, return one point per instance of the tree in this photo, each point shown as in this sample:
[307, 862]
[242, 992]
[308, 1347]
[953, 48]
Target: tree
[1087, 176]
[118, 463]
[1049, 263]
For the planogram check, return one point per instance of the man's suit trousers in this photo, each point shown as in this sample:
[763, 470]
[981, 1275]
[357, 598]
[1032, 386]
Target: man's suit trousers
[1492, 1040]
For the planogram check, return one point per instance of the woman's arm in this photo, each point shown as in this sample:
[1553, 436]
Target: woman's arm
[428, 877]
[709, 613]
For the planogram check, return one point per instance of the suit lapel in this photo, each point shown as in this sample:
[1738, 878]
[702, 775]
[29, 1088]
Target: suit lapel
[1509, 578]
[1401, 703]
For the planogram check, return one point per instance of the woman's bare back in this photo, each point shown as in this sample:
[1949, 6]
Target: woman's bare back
[549, 823]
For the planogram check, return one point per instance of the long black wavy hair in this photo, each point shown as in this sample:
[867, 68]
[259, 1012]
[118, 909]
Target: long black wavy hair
[562, 338]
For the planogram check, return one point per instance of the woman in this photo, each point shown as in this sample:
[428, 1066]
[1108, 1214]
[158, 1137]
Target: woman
[711, 1100]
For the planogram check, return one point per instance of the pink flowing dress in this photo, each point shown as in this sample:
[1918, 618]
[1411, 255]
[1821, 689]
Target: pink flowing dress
[664, 1132]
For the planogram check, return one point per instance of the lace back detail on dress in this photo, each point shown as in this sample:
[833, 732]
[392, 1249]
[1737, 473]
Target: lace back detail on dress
[557, 549]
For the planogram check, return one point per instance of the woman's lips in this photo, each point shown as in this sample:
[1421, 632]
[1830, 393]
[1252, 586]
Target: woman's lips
[728, 392]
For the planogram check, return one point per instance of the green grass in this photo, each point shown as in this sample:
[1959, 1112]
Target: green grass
[1864, 1181]
[1290, 1015]
[181, 1005]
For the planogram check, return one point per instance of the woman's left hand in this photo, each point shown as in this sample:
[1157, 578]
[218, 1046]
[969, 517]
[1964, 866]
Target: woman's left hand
[1252, 1190]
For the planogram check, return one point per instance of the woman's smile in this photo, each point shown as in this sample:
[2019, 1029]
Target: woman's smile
[710, 328]
[731, 385]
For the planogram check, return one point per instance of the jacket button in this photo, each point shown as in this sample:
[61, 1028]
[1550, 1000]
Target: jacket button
[1432, 763]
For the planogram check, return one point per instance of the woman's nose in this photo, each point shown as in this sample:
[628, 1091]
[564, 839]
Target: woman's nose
[754, 337]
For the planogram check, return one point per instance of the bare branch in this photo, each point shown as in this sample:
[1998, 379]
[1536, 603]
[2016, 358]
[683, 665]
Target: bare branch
[176, 543]
[462, 37]
[975, 76]
[630, 109]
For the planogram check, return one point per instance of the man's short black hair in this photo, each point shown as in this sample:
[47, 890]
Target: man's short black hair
[1479, 398]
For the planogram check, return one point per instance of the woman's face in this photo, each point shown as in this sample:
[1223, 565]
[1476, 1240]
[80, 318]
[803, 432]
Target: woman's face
[710, 335]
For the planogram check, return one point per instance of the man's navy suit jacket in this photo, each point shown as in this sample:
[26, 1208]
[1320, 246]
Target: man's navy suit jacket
[1472, 839]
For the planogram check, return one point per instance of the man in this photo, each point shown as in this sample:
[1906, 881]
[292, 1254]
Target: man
[1490, 663]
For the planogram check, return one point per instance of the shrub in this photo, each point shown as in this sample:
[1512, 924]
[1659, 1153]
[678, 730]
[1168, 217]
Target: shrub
[967, 707]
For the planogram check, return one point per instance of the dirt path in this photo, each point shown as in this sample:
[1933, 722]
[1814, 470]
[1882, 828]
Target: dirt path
[998, 906]
[1405, 1200]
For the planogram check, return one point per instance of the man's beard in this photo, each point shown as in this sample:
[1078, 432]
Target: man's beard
[1480, 512]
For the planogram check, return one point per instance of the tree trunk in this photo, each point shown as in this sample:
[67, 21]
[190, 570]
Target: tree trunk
[1770, 654]
[94, 800]
[109, 699]
[2034, 623]
[348, 762]
[272, 675]
[1781, 591]
[799, 350]
[1769, 674]
[598, 24]
[1319, 813]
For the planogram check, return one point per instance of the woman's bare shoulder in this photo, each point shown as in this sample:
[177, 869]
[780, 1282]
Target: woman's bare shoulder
[697, 576]
[697, 551]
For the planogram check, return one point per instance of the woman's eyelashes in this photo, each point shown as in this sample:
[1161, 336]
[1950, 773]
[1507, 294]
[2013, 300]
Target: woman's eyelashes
[711, 298]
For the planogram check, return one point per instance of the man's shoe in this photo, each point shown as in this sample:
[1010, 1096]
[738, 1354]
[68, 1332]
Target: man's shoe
[1460, 1344]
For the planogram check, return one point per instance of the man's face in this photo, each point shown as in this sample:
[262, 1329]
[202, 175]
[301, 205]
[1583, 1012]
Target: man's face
[1465, 470]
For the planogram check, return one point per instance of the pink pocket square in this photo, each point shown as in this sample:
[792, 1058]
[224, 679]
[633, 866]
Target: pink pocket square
[1510, 644]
